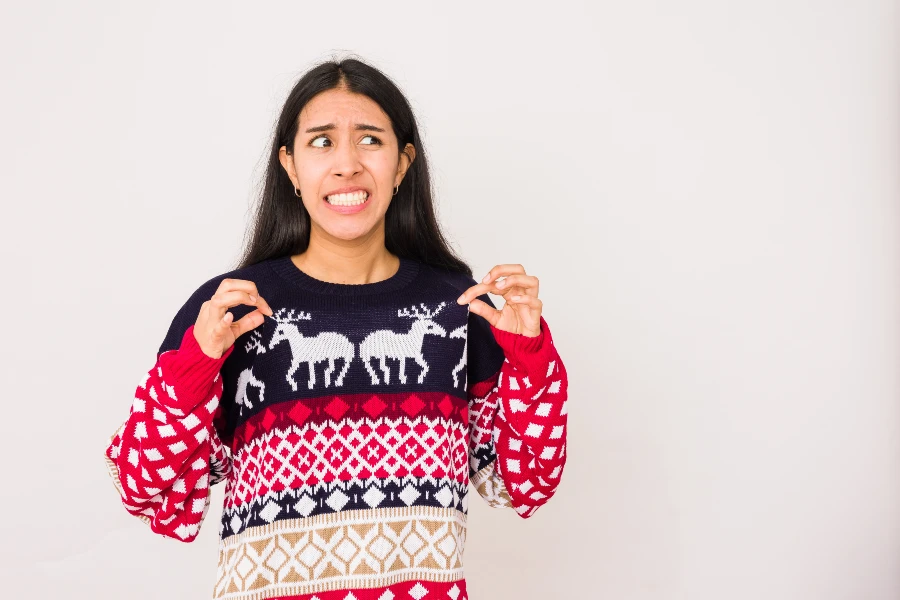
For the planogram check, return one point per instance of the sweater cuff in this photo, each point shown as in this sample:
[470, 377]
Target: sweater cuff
[532, 355]
[190, 372]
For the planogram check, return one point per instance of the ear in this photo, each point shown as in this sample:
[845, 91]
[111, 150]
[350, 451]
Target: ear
[288, 163]
[407, 156]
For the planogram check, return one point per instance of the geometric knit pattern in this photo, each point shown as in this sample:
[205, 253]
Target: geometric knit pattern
[347, 430]
[349, 549]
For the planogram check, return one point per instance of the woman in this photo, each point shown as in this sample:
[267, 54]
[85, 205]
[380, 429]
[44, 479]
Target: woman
[350, 378]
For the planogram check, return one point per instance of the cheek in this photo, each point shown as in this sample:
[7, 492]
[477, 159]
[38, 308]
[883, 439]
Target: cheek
[312, 177]
[383, 167]
[311, 171]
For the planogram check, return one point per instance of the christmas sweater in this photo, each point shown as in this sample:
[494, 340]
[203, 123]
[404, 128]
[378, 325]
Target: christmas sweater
[347, 429]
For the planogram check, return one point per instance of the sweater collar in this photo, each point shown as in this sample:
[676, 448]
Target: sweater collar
[407, 272]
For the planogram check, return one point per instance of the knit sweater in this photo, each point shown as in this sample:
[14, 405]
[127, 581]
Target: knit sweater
[347, 429]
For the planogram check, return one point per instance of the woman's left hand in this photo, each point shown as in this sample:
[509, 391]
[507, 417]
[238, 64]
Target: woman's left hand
[522, 311]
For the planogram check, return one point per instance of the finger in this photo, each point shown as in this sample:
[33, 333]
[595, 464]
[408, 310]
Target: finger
[479, 307]
[531, 318]
[501, 271]
[249, 321]
[245, 285]
[222, 301]
[263, 306]
[530, 301]
[218, 331]
[474, 291]
[528, 284]
[482, 288]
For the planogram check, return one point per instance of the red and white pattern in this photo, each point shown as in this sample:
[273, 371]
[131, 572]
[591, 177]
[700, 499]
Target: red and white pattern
[316, 454]
[406, 590]
[168, 453]
[522, 413]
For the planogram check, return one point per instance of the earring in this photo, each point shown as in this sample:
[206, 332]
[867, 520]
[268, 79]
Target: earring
[396, 189]
[297, 193]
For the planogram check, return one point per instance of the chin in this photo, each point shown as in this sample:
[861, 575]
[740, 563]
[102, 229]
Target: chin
[348, 233]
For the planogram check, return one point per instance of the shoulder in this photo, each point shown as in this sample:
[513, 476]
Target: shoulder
[458, 281]
[260, 273]
[190, 308]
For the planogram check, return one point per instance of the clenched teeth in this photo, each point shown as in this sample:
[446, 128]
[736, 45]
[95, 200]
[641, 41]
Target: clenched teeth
[350, 199]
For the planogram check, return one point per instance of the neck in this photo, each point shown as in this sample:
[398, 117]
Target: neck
[363, 260]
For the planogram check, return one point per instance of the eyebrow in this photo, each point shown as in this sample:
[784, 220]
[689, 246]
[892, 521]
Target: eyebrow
[329, 126]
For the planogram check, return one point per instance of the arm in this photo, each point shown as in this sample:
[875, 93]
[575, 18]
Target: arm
[166, 455]
[518, 424]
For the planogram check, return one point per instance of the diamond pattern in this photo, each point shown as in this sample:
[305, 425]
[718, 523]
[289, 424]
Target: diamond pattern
[337, 500]
[409, 494]
[374, 406]
[413, 405]
[304, 506]
[373, 497]
[270, 511]
[433, 450]
[336, 409]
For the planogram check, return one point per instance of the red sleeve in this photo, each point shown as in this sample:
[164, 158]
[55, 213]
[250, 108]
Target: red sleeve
[518, 418]
[166, 455]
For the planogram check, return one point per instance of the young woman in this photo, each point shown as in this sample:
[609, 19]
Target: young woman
[350, 378]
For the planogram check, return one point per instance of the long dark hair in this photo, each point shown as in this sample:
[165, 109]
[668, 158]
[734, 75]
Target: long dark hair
[281, 225]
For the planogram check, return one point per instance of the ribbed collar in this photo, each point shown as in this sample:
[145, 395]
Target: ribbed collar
[405, 275]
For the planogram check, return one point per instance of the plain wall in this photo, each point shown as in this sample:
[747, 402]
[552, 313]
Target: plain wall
[707, 191]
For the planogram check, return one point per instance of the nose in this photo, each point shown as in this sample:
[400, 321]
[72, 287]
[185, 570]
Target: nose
[346, 160]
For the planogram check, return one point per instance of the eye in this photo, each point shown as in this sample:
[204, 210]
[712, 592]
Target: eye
[377, 142]
[314, 144]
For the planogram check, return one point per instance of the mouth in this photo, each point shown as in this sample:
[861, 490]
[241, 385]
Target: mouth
[356, 198]
[347, 203]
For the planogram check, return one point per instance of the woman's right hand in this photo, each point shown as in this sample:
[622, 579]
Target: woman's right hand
[214, 331]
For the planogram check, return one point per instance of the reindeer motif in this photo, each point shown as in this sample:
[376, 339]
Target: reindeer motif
[246, 378]
[384, 343]
[311, 350]
[460, 332]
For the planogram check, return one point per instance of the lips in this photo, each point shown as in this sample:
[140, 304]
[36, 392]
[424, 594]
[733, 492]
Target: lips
[347, 203]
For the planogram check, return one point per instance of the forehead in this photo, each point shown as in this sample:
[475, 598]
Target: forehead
[342, 108]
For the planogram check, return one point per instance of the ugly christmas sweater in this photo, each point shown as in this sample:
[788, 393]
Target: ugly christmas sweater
[347, 429]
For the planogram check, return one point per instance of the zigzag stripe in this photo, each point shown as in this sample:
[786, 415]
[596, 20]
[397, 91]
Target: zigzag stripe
[352, 407]
[328, 499]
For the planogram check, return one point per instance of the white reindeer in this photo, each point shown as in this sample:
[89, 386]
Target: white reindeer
[246, 378]
[384, 343]
[311, 350]
[460, 332]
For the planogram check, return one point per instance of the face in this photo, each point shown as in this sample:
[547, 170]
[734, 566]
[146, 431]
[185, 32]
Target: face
[346, 163]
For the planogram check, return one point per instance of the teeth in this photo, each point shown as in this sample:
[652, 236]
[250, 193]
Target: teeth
[351, 199]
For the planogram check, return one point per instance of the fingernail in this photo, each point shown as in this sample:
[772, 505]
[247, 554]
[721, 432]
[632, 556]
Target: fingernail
[486, 278]
[252, 298]
[501, 283]
[460, 299]
[515, 297]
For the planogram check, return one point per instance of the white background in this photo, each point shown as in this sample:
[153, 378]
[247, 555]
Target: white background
[707, 191]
